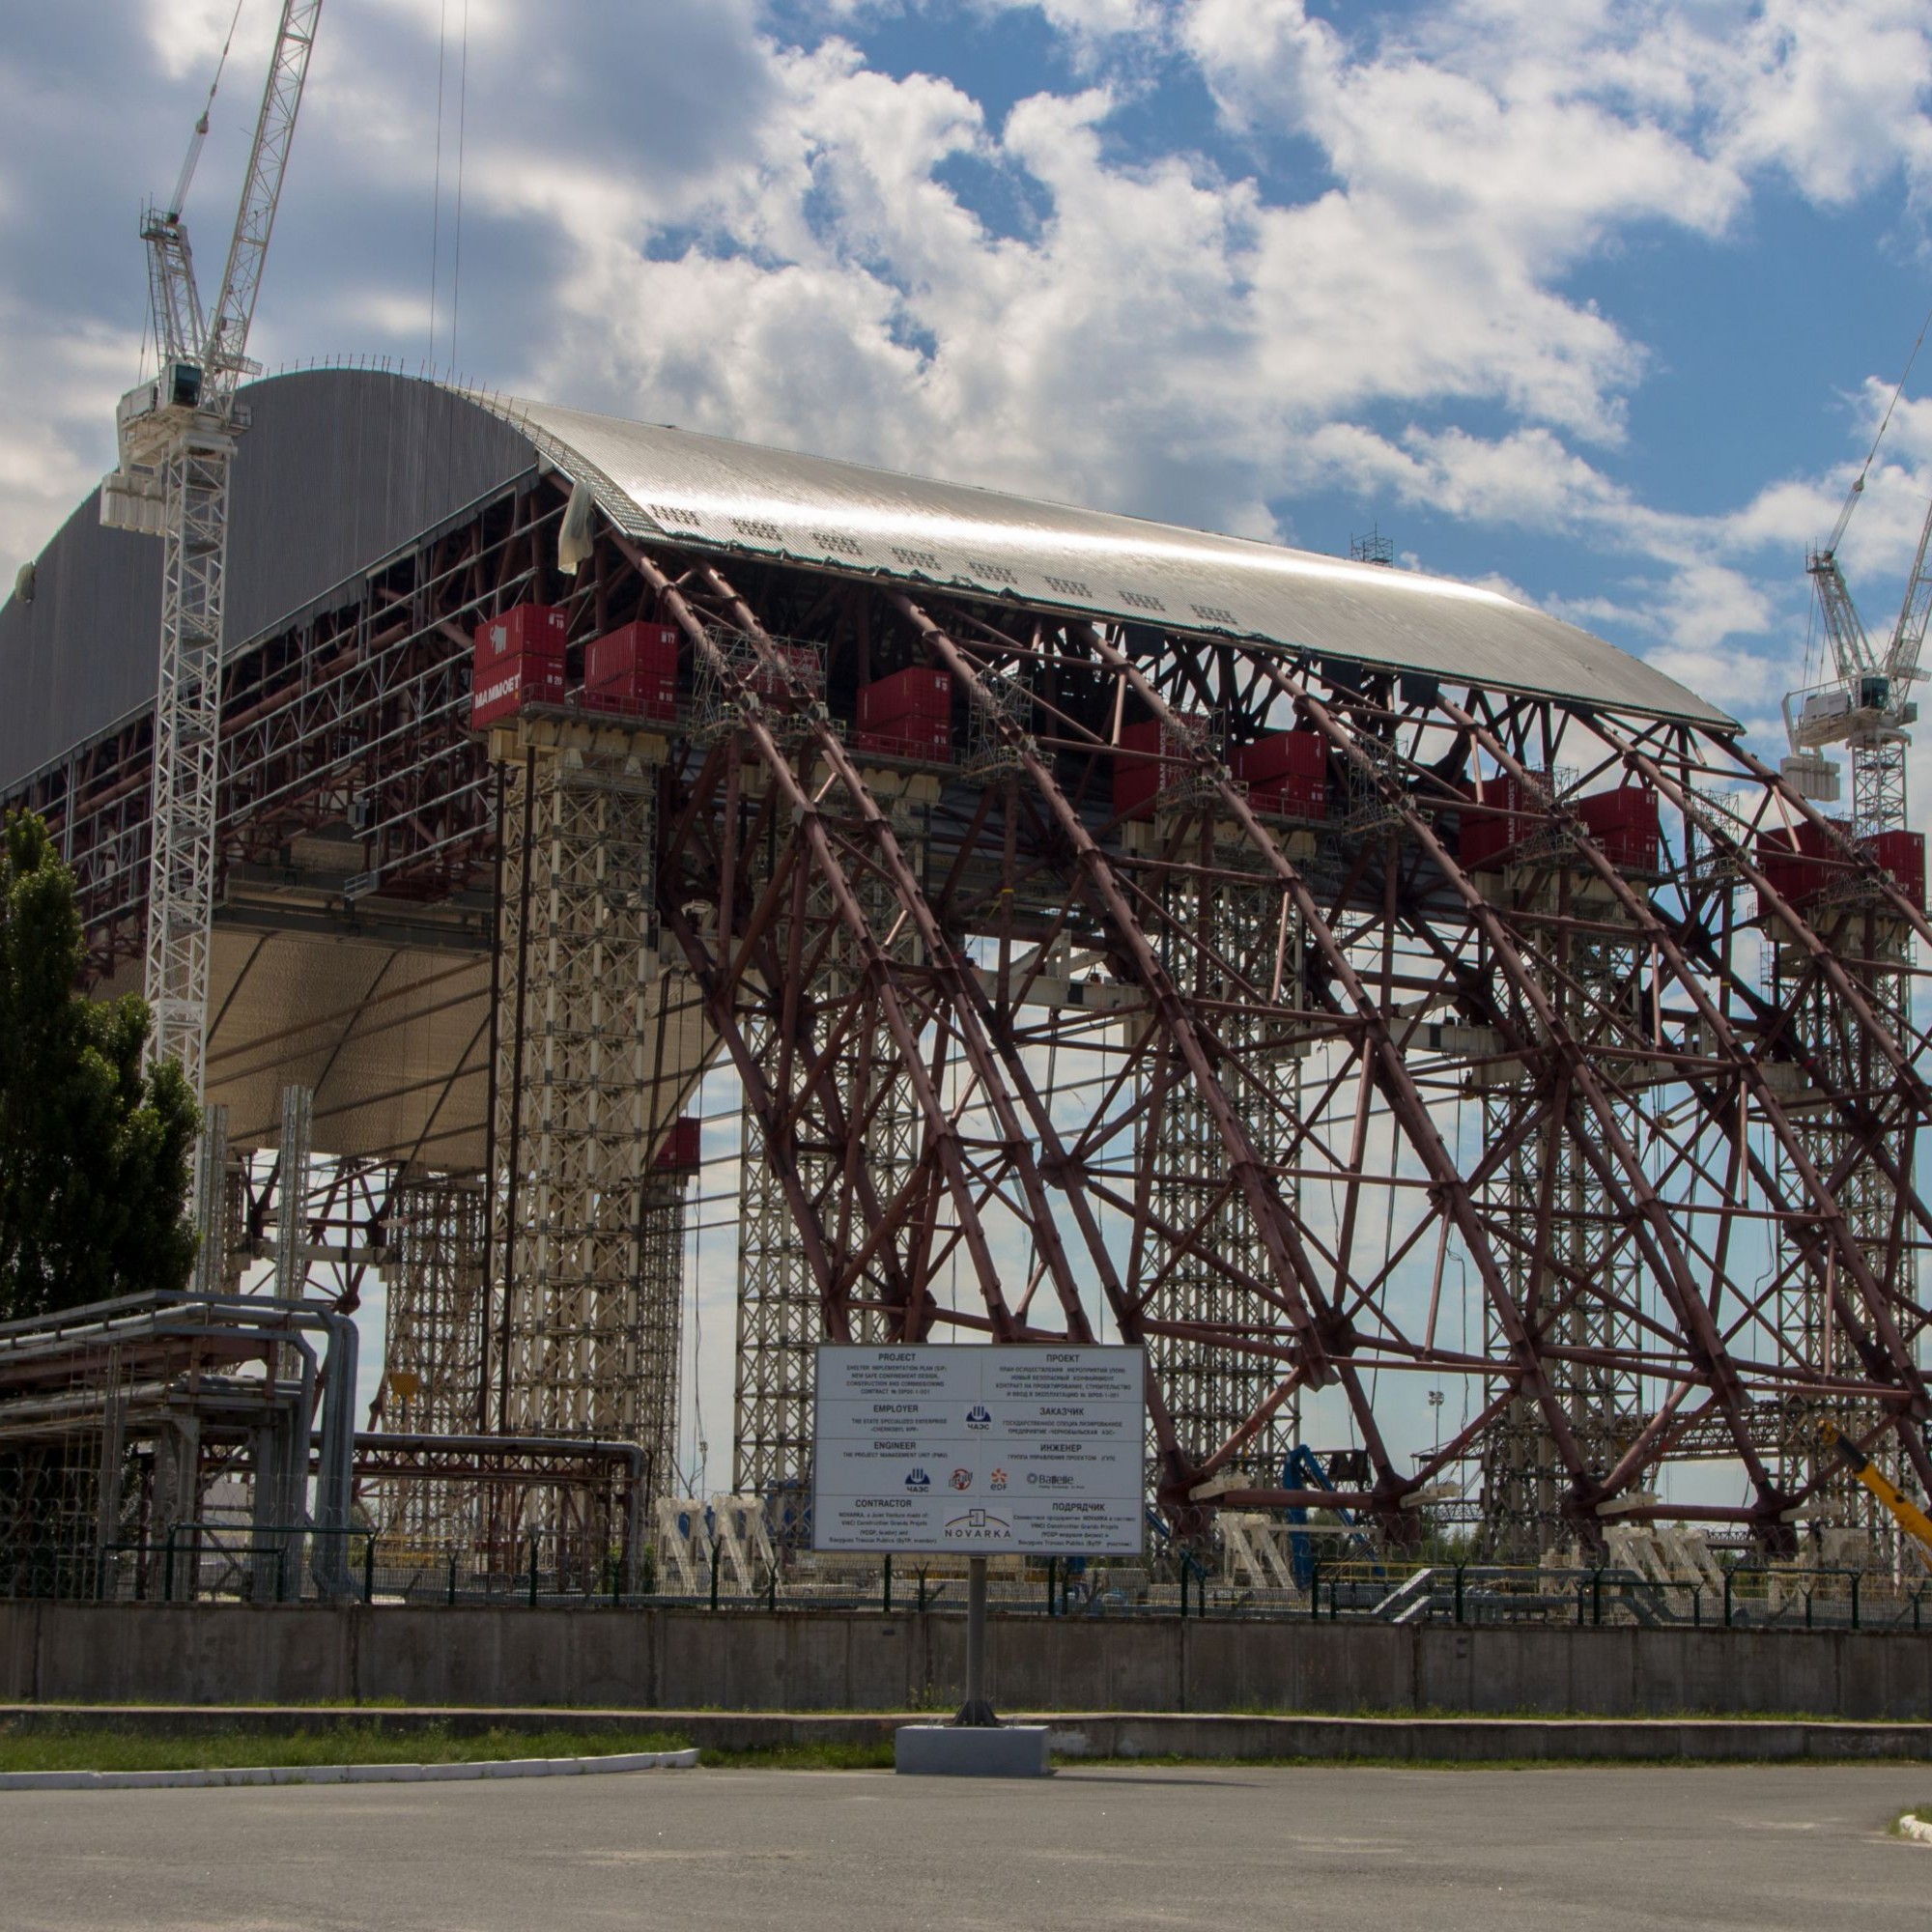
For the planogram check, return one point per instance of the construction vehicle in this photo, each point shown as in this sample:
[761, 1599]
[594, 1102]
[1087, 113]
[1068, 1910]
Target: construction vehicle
[1911, 1518]
[175, 440]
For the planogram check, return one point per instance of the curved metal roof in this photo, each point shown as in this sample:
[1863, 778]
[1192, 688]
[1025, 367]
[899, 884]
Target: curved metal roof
[704, 490]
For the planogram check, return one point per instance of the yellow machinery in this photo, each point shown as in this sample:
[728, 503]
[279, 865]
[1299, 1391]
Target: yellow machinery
[1915, 1523]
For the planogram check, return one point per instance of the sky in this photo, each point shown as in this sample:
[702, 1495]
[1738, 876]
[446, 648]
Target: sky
[1598, 303]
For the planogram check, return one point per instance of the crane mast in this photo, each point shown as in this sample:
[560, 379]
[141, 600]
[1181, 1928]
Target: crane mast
[177, 438]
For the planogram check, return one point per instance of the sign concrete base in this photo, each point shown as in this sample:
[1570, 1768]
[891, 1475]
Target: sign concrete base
[956, 1751]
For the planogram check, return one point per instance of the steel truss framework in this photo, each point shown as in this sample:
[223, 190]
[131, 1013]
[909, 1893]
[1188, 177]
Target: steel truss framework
[589, 1239]
[1539, 1146]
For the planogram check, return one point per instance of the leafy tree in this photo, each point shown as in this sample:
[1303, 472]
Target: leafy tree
[93, 1154]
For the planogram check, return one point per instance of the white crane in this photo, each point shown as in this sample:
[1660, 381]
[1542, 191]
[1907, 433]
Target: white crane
[1867, 706]
[176, 437]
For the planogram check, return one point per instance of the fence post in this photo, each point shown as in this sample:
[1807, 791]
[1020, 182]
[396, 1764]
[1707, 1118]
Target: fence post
[1696, 1607]
[369, 1568]
[534, 1570]
[772, 1588]
[1596, 1595]
[922, 1591]
[453, 1578]
[1855, 1600]
[1314, 1589]
[717, 1552]
[168, 1567]
[886, 1584]
[1049, 1586]
[1728, 1599]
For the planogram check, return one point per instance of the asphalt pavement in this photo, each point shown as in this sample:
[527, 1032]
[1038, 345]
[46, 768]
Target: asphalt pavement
[1327, 1848]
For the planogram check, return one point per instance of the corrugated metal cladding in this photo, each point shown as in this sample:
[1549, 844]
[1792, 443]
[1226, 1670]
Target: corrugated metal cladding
[705, 491]
[341, 467]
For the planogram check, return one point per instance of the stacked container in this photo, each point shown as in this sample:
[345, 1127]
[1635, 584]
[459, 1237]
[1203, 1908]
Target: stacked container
[908, 715]
[1139, 780]
[518, 663]
[1286, 772]
[632, 671]
[1511, 813]
[1624, 825]
[1800, 864]
[771, 683]
[1902, 854]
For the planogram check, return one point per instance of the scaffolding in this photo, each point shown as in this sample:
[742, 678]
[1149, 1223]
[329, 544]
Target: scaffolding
[1835, 1051]
[781, 1319]
[1237, 949]
[433, 1351]
[1578, 1281]
[585, 1345]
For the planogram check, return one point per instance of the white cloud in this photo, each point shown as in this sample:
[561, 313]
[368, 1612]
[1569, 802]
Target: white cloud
[774, 239]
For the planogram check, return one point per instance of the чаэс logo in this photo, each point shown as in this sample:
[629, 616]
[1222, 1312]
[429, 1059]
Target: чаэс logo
[918, 1479]
[962, 1479]
[978, 1416]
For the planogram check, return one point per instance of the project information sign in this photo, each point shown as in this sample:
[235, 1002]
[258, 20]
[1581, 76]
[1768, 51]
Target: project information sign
[984, 1451]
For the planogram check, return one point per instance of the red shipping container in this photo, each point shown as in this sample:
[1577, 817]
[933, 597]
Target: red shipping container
[682, 1145]
[529, 631]
[1281, 754]
[1291, 797]
[928, 740]
[1624, 824]
[1797, 864]
[654, 697]
[1137, 778]
[1902, 854]
[631, 651]
[916, 693]
[502, 690]
[1510, 817]
[770, 683]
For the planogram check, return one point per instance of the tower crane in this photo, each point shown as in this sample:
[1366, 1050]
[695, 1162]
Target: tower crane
[175, 439]
[1867, 706]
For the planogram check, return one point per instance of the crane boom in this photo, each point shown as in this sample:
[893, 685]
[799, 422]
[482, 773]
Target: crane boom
[1851, 648]
[261, 195]
[1909, 1517]
[1901, 661]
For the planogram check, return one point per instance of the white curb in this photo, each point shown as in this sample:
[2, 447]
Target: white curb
[1915, 1828]
[346, 1773]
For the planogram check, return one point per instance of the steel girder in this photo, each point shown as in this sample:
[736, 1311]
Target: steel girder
[1040, 989]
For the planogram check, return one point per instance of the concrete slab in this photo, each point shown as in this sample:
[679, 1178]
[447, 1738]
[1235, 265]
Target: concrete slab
[963, 1750]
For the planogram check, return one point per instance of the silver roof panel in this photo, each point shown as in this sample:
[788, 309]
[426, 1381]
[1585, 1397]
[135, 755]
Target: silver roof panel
[705, 490]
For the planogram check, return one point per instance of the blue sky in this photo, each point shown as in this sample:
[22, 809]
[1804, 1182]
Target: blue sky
[1599, 301]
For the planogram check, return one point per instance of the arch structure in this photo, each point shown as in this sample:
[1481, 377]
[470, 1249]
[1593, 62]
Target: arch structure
[1489, 1092]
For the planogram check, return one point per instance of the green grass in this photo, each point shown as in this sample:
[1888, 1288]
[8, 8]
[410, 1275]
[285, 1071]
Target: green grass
[97, 1747]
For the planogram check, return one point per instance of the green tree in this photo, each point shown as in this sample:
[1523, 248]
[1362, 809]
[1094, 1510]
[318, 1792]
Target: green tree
[93, 1154]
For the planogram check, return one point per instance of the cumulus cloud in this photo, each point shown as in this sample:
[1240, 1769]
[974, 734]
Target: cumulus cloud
[1360, 276]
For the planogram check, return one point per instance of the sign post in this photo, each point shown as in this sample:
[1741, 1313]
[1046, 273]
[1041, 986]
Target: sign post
[978, 1451]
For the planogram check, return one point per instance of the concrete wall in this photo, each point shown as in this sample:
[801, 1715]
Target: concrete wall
[804, 1660]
